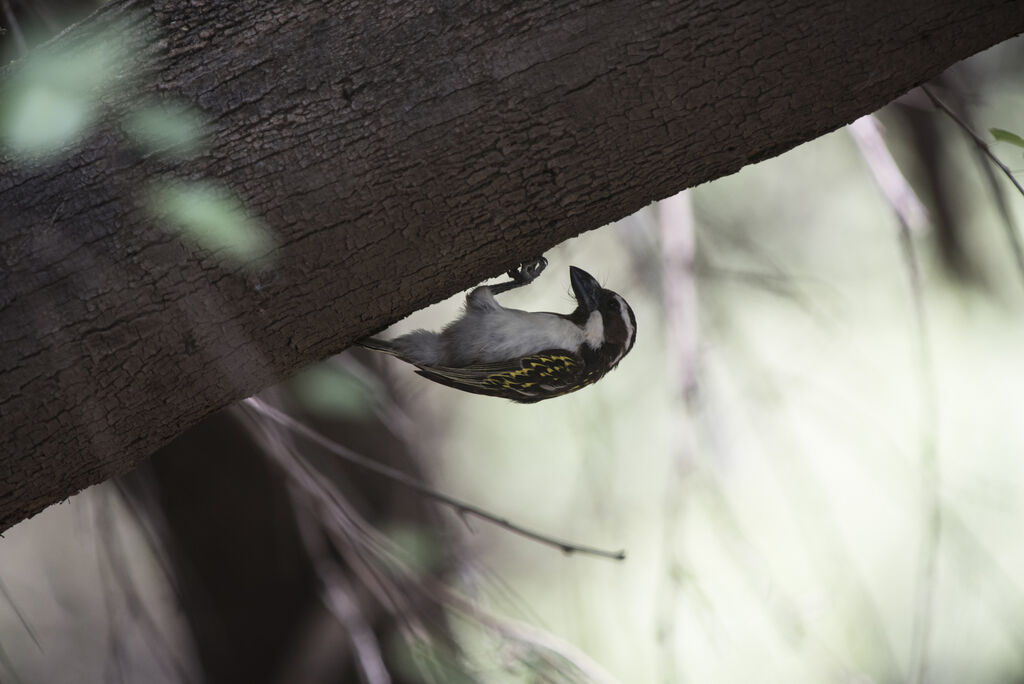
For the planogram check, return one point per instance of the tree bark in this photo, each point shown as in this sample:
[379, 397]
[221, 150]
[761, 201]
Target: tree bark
[398, 152]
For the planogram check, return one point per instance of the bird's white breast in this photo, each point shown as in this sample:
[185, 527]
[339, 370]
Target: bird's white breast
[499, 334]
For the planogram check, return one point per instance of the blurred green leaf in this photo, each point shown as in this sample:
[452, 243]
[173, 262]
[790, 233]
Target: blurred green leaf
[42, 119]
[168, 128]
[52, 98]
[331, 392]
[1006, 136]
[212, 218]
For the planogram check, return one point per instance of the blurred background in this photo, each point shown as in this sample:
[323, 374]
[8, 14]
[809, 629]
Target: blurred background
[812, 457]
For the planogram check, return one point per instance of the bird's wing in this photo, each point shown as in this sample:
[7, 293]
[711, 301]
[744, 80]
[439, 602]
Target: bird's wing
[528, 379]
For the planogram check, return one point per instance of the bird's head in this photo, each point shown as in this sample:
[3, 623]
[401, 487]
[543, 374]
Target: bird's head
[608, 324]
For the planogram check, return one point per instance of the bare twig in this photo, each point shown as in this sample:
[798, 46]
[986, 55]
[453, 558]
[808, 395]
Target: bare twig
[890, 180]
[354, 539]
[150, 522]
[460, 507]
[12, 21]
[331, 514]
[5, 660]
[114, 668]
[678, 248]
[121, 575]
[336, 595]
[1011, 231]
[974, 136]
[376, 559]
[896, 189]
[527, 634]
[679, 289]
[21, 616]
[1000, 199]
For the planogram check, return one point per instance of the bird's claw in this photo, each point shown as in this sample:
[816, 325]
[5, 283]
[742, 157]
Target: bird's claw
[528, 271]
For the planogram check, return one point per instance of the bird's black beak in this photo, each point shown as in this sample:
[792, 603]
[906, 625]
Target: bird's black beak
[585, 287]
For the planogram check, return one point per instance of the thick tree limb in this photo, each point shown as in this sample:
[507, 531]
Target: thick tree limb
[399, 152]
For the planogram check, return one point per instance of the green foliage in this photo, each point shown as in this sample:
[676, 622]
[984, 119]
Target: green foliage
[52, 98]
[330, 392]
[212, 218]
[1006, 136]
[171, 129]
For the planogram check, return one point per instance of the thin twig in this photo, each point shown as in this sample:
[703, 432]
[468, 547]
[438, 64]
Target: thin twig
[894, 186]
[396, 475]
[117, 562]
[5, 660]
[678, 240]
[679, 247]
[325, 505]
[336, 594]
[358, 542]
[150, 523]
[1011, 232]
[372, 556]
[999, 197]
[322, 514]
[12, 21]
[527, 634]
[974, 136]
[21, 616]
[113, 666]
[866, 132]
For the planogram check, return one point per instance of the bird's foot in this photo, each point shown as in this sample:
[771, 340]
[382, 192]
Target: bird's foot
[524, 274]
[528, 271]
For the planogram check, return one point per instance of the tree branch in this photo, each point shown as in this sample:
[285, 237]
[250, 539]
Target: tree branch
[397, 154]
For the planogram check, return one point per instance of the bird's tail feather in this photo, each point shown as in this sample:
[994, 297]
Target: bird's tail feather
[377, 344]
[420, 347]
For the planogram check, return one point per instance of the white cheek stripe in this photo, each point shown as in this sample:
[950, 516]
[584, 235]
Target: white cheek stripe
[624, 312]
[593, 333]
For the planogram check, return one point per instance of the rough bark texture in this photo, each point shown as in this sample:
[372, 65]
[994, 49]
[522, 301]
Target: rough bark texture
[400, 152]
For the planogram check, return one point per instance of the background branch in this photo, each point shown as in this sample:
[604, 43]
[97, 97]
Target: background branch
[462, 508]
[1011, 228]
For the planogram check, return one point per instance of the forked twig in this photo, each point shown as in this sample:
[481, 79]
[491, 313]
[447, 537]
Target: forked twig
[460, 507]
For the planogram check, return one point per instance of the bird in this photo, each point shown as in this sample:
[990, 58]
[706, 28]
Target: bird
[524, 356]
